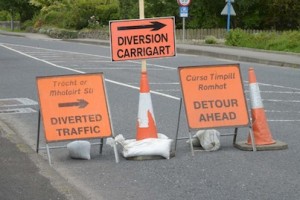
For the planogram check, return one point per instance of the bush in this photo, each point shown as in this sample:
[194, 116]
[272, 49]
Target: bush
[237, 37]
[211, 40]
[102, 34]
[4, 16]
[28, 26]
[284, 41]
[54, 18]
[59, 33]
[287, 41]
[93, 15]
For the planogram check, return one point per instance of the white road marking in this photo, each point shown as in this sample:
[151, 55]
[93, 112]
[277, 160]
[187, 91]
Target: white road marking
[284, 120]
[275, 86]
[16, 111]
[8, 102]
[278, 100]
[35, 58]
[127, 85]
[82, 72]
[118, 68]
[277, 92]
[277, 111]
[168, 90]
[86, 54]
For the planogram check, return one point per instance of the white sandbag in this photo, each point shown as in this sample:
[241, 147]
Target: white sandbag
[209, 139]
[160, 146]
[80, 149]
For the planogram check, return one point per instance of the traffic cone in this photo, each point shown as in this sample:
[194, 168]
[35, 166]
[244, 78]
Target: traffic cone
[146, 127]
[261, 130]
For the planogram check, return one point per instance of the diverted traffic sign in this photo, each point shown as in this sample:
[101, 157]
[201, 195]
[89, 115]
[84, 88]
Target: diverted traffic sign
[213, 96]
[142, 38]
[74, 107]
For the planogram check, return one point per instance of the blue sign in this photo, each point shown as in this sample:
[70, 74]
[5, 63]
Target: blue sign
[184, 11]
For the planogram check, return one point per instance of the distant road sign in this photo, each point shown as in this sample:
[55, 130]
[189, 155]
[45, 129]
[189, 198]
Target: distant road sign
[184, 11]
[213, 96]
[184, 2]
[74, 107]
[142, 38]
[225, 10]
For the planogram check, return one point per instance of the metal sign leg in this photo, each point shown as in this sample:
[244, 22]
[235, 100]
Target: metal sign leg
[252, 139]
[48, 153]
[191, 143]
[116, 153]
[235, 135]
[101, 145]
[38, 132]
[178, 122]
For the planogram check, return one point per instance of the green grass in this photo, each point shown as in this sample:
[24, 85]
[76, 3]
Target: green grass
[288, 41]
[9, 30]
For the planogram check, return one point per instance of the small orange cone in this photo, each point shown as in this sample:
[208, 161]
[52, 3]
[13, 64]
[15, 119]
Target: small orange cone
[261, 130]
[146, 127]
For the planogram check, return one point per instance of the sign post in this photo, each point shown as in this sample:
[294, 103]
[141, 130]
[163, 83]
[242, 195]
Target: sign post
[228, 10]
[184, 12]
[142, 16]
[74, 107]
[143, 39]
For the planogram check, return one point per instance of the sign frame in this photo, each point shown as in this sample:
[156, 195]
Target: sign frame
[206, 105]
[245, 108]
[90, 113]
[69, 105]
[139, 39]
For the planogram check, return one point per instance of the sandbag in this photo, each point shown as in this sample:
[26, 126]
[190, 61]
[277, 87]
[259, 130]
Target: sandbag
[160, 146]
[79, 149]
[209, 139]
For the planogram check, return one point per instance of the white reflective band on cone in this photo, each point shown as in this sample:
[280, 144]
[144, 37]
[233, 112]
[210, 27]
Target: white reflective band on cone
[255, 97]
[144, 107]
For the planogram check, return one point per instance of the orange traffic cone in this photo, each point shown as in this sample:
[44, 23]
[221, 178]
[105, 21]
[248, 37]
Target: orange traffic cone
[146, 127]
[261, 130]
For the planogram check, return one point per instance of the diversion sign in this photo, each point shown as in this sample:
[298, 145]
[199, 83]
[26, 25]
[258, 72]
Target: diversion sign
[142, 38]
[213, 96]
[74, 107]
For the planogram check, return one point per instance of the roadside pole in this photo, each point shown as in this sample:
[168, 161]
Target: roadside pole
[183, 12]
[228, 15]
[142, 16]
[228, 11]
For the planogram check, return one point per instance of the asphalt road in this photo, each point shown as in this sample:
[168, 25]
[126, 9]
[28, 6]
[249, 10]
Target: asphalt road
[226, 174]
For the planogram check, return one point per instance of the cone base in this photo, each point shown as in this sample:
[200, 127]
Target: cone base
[278, 145]
[141, 158]
[261, 143]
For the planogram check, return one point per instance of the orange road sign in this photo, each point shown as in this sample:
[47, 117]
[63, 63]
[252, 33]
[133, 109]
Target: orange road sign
[213, 96]
[142, 38]
[74, 107]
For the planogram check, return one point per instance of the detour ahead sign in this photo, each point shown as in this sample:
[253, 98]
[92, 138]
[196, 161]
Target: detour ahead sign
[142, 38]
[213, 96]
[74, 107]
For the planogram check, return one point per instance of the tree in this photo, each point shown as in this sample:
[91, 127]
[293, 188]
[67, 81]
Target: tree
[283, 14]
[21, 7]
[250, 14]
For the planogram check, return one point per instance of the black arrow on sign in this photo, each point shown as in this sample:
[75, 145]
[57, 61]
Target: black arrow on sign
[81, 103]
[154, 25]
